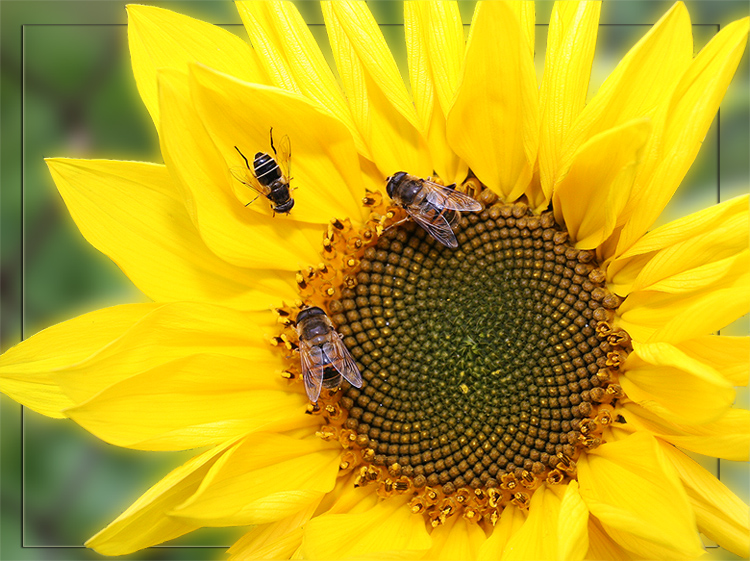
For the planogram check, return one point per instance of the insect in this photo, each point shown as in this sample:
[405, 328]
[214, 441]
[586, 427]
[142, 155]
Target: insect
[323, 355]
[427, 203]
[269, 176]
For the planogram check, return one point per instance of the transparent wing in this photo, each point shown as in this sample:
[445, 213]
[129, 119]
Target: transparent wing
[447, 197]
[246, 177]
[284, 156]
[434, 223]
[312, 373]
[344, 362]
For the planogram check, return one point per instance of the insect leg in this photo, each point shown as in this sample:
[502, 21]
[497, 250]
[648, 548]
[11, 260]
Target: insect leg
[251, 202]
[396, 224]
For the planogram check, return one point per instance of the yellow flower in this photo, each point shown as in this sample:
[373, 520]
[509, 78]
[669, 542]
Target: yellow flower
[524, 395]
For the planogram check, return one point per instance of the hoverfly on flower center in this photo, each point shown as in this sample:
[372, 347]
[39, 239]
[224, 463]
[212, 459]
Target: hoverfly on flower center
[324, 357]
[433, 206]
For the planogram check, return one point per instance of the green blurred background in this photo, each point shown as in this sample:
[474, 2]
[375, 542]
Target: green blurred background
[67, 90]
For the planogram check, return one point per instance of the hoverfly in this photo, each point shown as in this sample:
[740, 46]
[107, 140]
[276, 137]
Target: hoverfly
[269, 176]
[427, 203]
[323, 355]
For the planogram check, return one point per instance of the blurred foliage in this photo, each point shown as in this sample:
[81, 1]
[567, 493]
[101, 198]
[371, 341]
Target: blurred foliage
[67, 90]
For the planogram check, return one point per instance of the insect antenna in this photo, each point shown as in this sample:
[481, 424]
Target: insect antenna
[246, 162]
[272, 146]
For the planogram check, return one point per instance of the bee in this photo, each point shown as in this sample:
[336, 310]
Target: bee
[428, 204]
[269, 176]
[323, 355]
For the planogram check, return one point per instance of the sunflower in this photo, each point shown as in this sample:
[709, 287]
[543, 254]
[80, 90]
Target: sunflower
[528, 394]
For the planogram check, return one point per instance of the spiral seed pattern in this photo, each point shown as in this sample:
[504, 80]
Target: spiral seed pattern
[476, 361]
[487, 369]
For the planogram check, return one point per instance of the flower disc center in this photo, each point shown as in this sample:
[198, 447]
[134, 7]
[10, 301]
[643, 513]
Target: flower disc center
[486, 369]
[479, 361]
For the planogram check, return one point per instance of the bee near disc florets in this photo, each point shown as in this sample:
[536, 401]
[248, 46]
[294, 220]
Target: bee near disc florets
[486, 369]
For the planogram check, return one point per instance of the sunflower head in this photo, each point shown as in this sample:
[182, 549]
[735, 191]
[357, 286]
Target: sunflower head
[433, 322]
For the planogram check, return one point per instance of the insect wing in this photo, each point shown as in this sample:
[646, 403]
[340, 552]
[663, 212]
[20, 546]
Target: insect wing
[246, 177]
[435, 224]
[284, 156]
[312, 373]
[445, 197]
[344, 362]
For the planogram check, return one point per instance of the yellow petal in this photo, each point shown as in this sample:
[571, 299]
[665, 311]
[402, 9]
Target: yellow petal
[674, 277]
[511, 521]
[686, 119]
[377, 97]
[675, 386]
[37, 391]
[447, 164]
[133, 213]
[280, 26]
[417, 57]
[372, 51]
[716, 245]
[572, 526]
[444, 39]
[267, 49]
[266, 478]
[27, 369]
[275, 540]
[122, 341]
[216, 201]
[716, 310]
[730, 356]
[167, 332]
[493, 125]
[601, 546]
[434, 47]
[346, 498]
[642, 81]
[570, 52]
[538, 537]
[727, 219]
[655, 316]
[456, 540]
[596, 187]
[159, 38]
[727, 437]
[146, 523]
[168, 407]
[525, 14]
[388, 530]
[323, 163]
[634, 491]
[721, 515]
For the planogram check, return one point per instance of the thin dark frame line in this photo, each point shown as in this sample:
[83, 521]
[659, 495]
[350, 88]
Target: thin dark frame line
[23, 302]
[84, 24]
[23, 245]
[535, 25]
[117, 24]
[718, 200]
[650, 24]
[23, 275]
[322, 24]
[160, 546]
